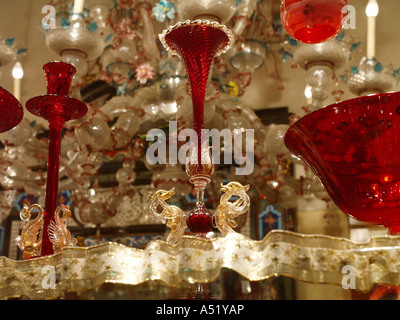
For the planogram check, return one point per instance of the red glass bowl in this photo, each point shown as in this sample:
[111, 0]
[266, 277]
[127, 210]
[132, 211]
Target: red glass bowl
[354, 149]
[11, 111]
[312, 21]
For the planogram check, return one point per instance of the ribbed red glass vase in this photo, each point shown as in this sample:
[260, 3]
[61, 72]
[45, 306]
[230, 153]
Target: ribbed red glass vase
[197, 45]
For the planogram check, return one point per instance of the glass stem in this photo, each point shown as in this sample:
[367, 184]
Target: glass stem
[199, 197]
[55, 130]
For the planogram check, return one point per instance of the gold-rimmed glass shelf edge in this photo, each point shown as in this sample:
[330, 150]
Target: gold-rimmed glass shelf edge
[314, 259]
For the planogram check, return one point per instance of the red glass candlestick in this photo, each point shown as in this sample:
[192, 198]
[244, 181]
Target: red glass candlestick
[10, 109]
[198, 43]
[353, 147]
[312, 21]
[56, 107]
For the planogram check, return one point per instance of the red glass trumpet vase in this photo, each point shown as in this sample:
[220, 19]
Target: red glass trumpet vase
[57, 108]
[312, 21]
[11, 111]
[198, 43]
[353, 147]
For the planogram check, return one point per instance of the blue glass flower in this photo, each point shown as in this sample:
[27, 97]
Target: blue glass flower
[354, 46]
[340, 36]
[92, 26]
[164, 9]
[292, 41]
[9, 41]
[378, 67]
[65, 23]
[354, 70]
[286, 56]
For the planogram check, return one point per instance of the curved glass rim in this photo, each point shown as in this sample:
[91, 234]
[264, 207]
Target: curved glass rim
[354, 102]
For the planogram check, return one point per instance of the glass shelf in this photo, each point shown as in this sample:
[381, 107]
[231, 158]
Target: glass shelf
[314, 259]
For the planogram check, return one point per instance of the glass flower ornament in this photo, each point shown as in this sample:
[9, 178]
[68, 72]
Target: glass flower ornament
[352, 147]
[313, 21]
[144, 72]
[163, 10]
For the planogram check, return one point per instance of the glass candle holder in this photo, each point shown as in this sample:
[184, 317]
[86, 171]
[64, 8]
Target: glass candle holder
[57, 108]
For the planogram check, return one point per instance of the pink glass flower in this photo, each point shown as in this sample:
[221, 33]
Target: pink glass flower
[124, 29]
[144, 72]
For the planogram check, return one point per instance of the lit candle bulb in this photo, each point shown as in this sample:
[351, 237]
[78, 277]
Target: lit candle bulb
[17, 74]
[79, 5]
[372, 11]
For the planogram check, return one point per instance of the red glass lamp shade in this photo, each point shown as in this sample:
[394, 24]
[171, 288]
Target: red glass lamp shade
[10, 109]
[312, 21]
[354, 148]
